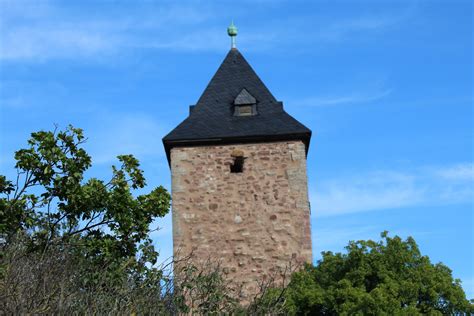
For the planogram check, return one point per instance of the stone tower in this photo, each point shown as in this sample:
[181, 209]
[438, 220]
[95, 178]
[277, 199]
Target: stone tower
[239, 184]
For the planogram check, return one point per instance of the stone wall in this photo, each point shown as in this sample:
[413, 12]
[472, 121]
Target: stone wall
[255, 222]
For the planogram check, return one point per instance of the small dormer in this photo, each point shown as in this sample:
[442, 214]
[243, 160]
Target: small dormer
[245, 104]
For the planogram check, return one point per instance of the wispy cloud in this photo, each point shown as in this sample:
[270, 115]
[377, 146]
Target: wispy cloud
[354, 98]
[381, 190]
[341, 30]
[458, 172]
[13, 102]
[44, 43]
[40, 31]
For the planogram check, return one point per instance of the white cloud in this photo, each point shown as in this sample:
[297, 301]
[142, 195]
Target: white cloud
[341, 30]
[40, 31]
[457, 172]
[26, 43]
[354, 98]
[13, 102]
[392, 189]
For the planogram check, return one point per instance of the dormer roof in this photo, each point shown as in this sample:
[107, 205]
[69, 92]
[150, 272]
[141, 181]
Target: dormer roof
[244, 98]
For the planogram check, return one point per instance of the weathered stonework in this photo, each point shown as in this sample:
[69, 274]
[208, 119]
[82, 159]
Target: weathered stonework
[255, 222]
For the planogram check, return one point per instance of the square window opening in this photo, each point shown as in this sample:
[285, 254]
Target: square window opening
[238, 165]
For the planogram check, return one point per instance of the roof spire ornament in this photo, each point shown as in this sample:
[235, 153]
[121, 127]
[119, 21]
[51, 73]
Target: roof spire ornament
[232, 32]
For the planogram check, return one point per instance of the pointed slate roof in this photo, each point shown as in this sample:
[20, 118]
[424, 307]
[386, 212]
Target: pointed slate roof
[211, 120]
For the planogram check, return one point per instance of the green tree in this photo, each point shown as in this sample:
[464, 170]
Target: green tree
[50, 198]
[389, 277]
[101, 227]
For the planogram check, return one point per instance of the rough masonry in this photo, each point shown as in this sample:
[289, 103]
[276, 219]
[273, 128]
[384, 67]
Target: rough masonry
[254, 222]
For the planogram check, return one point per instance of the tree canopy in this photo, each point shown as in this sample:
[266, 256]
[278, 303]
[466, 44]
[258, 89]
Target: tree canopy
[101, 226]
[51, 200]
[388, 277]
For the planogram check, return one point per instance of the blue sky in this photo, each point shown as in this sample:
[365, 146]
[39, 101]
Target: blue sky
[386, 87]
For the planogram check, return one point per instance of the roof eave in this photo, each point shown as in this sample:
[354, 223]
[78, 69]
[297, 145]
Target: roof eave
[169, 144]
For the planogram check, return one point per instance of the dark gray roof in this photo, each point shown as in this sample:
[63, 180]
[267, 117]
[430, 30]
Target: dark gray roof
[211, 120]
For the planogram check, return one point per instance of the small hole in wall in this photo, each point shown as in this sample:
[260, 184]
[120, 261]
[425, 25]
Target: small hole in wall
[238, 165]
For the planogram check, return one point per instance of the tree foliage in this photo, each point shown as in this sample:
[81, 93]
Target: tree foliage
[74, 245]
[51, 200]
[389, 277]
[101, 228]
